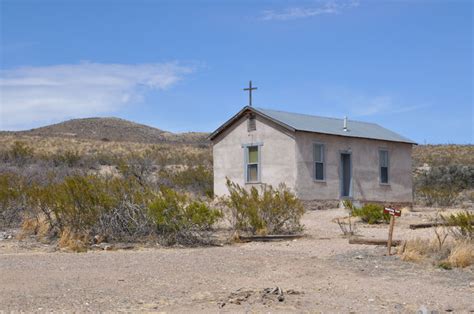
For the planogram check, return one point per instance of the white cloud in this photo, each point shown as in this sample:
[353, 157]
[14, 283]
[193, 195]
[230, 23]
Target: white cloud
[31, 96]
[329, 7]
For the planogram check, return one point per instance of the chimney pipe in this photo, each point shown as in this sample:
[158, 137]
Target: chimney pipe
[345, 124]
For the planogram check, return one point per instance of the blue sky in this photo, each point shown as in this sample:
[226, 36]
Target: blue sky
[181, 65]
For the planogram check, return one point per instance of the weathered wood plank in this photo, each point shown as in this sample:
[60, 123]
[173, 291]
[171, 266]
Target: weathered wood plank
[373, 241]
[429, 225]
[273, 237]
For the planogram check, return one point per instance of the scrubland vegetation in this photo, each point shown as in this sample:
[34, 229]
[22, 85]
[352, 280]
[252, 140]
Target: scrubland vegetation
[443, 174]
[451, 246]
[268, 211]
[161, 192]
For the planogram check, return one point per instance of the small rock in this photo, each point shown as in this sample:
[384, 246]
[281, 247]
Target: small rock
[371, 300]
[422, 310]
[448, 308]
[398, 306]
[359, 257]
[281, 298]
[471, 284]
[105, 246]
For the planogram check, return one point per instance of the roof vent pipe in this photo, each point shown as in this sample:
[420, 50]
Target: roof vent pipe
[345, 124]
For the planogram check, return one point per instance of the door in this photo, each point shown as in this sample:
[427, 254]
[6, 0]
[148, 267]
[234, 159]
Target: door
[346, 173]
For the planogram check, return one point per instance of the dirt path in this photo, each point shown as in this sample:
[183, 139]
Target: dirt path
[325, 273]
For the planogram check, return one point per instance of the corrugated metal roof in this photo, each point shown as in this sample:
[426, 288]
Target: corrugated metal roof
[334, 126]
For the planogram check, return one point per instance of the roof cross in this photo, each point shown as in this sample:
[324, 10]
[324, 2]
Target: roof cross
[250, 89]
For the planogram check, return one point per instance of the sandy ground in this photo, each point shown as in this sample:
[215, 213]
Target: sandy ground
[319, 273]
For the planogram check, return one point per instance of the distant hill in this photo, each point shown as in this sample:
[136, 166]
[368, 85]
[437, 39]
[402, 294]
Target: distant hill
[112, 129]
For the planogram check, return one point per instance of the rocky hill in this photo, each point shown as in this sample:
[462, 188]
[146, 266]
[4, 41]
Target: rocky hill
[112, 129]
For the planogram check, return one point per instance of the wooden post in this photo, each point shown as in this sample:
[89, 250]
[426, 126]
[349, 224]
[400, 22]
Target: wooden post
[390, 234]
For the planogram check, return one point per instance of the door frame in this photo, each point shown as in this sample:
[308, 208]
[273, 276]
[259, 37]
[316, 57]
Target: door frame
[341, 174]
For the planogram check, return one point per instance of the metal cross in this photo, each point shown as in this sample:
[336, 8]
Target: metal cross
[250, 89]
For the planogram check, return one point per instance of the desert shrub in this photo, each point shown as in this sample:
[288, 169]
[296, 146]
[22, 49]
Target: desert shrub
[11, 199]
[441, 185]
[461, 225]
[69, 158]
[75, 203]
[137, 167]
[180, 220]
[435, 195]
[80, 207]
[196, 179]
[127, 219]
[268, 211]
[19, 153]
[371, 214]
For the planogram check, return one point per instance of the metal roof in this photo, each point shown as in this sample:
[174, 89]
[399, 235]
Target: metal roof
[325, 125]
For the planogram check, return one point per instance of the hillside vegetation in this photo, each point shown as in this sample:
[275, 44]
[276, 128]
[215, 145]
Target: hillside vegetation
[443, 155]
[111, 129]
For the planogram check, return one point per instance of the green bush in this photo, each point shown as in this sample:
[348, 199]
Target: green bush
[461, 225]
[181, 220]
[371, 214]
[121, 208]
[268, 211]
[75, 203]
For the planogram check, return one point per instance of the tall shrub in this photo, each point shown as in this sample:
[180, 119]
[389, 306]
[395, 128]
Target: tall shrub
[179, 219]
[264, 211]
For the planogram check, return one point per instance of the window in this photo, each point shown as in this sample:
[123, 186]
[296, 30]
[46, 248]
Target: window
[252, 164]
[251, 123]
[383, 161]
[319, 162]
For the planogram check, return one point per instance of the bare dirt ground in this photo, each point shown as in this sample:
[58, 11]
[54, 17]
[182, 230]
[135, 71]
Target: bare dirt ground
[321, 272]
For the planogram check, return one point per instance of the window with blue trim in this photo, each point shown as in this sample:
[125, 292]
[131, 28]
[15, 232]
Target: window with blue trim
[383, 162]
[253, 164]
[318, 154]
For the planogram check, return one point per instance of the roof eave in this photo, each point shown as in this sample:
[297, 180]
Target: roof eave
[359, 137]
[234, 118]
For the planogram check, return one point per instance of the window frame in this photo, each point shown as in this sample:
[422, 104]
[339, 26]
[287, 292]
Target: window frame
[322, 161]
[258, 163]
[380, 151]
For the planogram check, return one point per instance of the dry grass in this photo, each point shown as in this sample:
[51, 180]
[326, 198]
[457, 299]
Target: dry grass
[72, 241]
[37, 226]
[53, 145]
[415, 250]
[451, 254]
[462, 255]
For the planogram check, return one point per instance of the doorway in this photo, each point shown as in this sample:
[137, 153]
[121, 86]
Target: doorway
[346, 175]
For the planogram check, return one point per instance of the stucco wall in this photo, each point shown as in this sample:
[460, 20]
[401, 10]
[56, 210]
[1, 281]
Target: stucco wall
[277, 154]
[365, 169]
